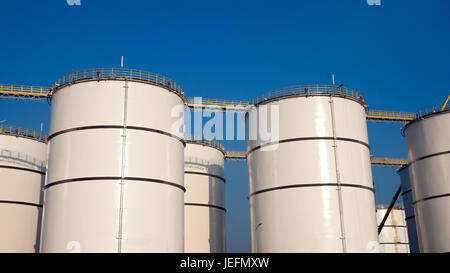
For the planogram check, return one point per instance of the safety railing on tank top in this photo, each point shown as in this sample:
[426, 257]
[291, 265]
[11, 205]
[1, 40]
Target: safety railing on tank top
[310, 90]
[199, 140]
[115, 73]
[23, 132]
[434, 109]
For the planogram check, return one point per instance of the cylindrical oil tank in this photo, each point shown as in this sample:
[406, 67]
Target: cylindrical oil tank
[23, 159]
[428, 146]
[310, 188]
[115, 180]
[410, 218]
[204, 207]
[394, 235]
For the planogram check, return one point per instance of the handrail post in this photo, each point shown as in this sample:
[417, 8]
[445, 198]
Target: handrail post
[445, 104]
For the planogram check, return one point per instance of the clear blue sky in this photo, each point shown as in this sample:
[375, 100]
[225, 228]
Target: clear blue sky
[397, 54]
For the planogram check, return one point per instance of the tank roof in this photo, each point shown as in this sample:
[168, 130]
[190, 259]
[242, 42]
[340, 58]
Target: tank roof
[209, 143]
[429, 112]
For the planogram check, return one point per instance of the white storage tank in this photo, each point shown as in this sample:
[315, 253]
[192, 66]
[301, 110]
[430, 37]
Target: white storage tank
[311, 190]
[410, 218]
[394, 235]
[204, 207]
[115, 180]
[428, 146]
[23, 159]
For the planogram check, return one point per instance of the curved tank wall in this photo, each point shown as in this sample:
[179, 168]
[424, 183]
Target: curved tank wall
[409, 210]
[204, 199]
[428, 147]
[22, 173]
[115, 180]
[394, 235]
[312, 191]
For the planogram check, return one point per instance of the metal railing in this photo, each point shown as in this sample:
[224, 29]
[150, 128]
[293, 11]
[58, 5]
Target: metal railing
[217, 104]
[376, 161]
[389, 162]
[23, 132]
[390, 115]
[433, 109]
[117, 73]
[23, 90]
[213, 143]
[39, 92]
[236, 155]
[309, 90]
